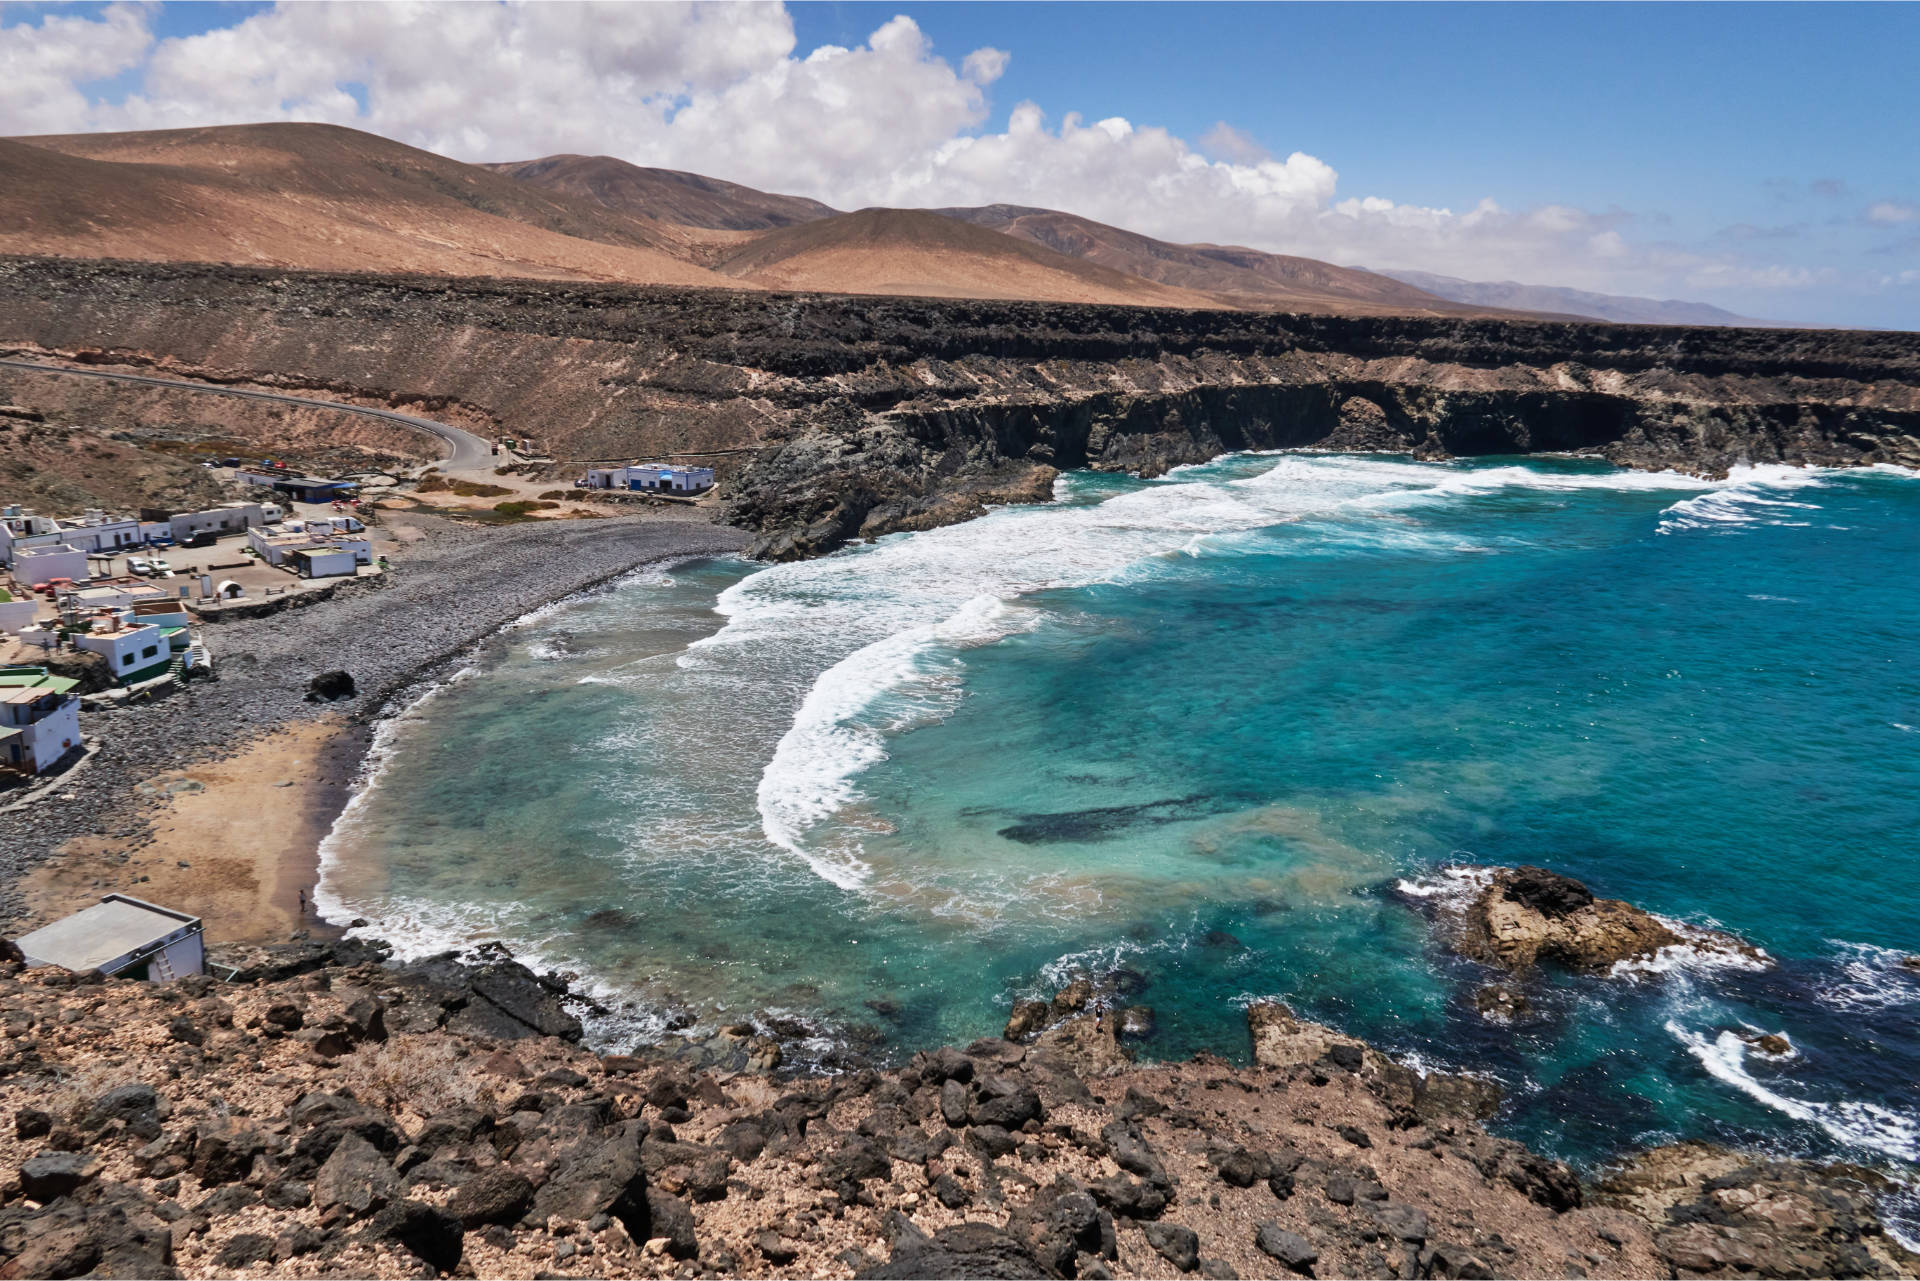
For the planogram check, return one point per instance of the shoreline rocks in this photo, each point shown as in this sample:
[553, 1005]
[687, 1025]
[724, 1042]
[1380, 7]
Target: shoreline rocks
[450, 1144]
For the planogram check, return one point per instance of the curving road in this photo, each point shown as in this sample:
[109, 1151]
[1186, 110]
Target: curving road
[465, 451]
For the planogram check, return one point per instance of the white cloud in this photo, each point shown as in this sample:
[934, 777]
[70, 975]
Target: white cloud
[44, 66]
[1224, 142]
[1891, 212]
[721, 89]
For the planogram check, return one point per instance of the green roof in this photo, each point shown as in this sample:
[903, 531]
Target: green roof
[35, 678]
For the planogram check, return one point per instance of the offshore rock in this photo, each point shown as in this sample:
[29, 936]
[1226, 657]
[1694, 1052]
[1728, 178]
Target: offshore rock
[1526, 916]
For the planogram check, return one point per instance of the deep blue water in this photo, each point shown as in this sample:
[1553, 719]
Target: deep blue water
[1215, 727]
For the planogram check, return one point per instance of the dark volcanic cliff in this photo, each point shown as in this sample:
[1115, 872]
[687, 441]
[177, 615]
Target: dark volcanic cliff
[855, 416]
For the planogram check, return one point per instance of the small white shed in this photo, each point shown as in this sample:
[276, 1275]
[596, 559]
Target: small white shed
[122, 935]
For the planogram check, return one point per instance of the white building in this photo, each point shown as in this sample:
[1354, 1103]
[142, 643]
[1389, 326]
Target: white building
[124, 936]
[652, 478]
[227, 518]
[92, 531]
[17, 615]
[277, 549]
[116, 593]
[134, 651]
[36, 565]
[39, 718]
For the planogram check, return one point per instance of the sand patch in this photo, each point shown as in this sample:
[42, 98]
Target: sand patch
[234, 841]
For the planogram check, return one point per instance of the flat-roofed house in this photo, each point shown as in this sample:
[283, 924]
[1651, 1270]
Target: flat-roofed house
[36, 565]
[39, 718]
[134, 651]
[124, 936]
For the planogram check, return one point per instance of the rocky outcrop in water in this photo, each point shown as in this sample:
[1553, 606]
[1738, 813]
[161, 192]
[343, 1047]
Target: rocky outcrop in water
[851, 417]
[1522, 917]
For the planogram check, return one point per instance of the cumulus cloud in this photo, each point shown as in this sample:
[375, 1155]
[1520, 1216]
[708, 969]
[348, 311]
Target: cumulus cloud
[1891, 213]
[45, 65]
[722, 89]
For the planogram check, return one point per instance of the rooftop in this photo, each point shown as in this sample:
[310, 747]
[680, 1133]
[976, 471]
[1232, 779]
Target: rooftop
[36, 681]
[110, 929]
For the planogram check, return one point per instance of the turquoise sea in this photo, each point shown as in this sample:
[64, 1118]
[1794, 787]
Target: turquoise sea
[1228, 729]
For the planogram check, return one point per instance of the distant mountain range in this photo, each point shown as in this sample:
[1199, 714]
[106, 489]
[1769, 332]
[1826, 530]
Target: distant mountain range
[329, 198]
[1574, 302]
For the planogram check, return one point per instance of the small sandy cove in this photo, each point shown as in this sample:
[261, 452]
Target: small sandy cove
[234, 841]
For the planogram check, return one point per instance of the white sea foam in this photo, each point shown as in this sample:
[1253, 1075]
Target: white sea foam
[1453, 888]
[1875, 978]
[1749, 496]
[1854, 1122]
[1700, 950]
[836, 643]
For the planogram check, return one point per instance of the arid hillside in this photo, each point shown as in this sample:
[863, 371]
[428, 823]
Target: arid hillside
[320, 197]
[665, 195]
[1231, 274]
[921, 254]
[313, 196]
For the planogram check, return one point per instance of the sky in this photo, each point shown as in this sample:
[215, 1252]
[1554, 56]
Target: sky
[1764, 158]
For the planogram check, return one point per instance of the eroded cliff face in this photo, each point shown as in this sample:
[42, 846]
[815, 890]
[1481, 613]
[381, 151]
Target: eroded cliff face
[853, 417]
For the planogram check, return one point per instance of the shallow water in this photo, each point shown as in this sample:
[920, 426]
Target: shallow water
[1224, 727]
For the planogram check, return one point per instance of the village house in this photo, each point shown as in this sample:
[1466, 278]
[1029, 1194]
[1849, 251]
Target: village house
[278, 549]
[39, 718]
[122, 937]
[306, 489]
[92, 531]
[652, 478]
[43, 563]
[134, 651]
[227, 518]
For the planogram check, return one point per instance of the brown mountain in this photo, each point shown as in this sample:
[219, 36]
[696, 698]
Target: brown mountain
[665, 195]
[1237, 276]
[920, 253]
[315, 196]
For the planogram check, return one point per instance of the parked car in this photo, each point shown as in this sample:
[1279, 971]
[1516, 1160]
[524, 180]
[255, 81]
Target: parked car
[139, 565]
[229, 462]
[158, 566]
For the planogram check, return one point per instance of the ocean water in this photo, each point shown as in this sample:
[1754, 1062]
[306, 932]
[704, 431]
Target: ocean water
[1229, 729]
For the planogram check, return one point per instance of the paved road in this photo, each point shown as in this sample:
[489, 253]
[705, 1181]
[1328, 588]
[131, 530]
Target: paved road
[465, 451]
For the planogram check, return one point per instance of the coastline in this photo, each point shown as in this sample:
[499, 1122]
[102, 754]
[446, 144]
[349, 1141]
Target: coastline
[222, 739]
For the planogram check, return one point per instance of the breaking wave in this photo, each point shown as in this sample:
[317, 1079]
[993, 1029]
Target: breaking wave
[1852, 1122]
[870, 640]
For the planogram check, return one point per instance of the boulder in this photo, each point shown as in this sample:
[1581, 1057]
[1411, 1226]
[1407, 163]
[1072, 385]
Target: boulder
[672, 1218]
[962, 1250]
[1028, 1017]
[598, 1177]
[1178, 1245]
[855, 1161]
[330, 687]
[498, 1195]
[687, 1169]
[1282, 1040]
[223, 1151]
[56, 1174]
[355, 1176]
[112, 1232]
[428, 1232]
[133, 1104]
[1290, 1248]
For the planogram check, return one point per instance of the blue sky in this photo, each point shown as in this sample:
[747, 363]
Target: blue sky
[1761, 157]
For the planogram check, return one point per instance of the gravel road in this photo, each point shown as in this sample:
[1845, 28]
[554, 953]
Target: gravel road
[453, 588]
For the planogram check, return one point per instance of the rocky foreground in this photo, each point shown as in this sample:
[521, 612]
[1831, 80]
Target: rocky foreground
[326, 1114]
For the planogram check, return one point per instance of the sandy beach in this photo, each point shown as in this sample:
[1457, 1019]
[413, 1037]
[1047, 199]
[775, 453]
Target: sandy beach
[215, 800]
[234, 841]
